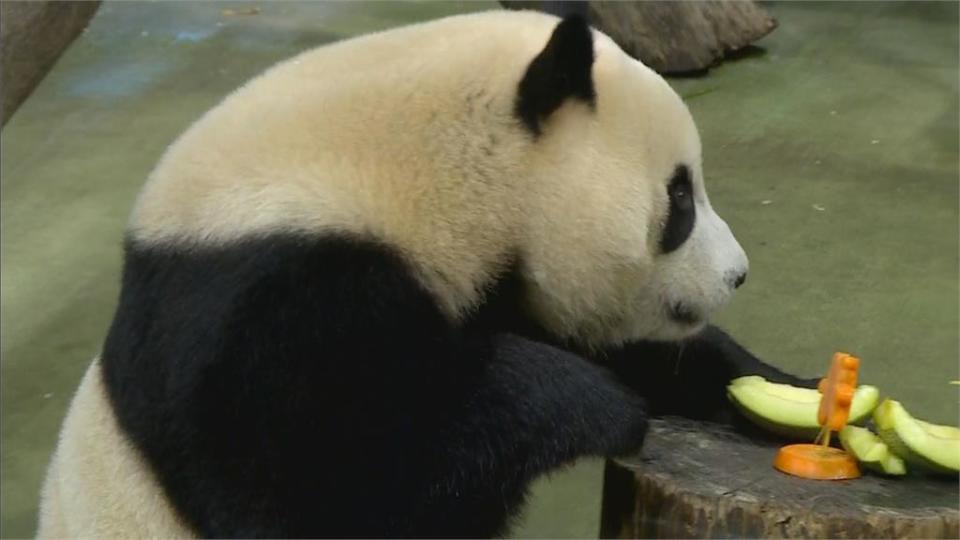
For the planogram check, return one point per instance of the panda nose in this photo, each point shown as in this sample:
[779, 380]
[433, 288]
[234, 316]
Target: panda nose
[739, 280]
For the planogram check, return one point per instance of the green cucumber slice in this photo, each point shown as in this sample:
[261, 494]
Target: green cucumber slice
[789, 410]
[931, 446]
[870, 451]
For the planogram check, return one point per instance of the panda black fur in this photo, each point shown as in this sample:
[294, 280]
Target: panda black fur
[358, 295]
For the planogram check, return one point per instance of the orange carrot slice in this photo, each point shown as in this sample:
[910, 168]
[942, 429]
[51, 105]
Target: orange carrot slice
[816, 462]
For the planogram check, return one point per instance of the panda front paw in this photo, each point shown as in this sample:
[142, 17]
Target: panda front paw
[807, 383]
[576, 407]
[632, 433]
[801, 382]
[624, 433]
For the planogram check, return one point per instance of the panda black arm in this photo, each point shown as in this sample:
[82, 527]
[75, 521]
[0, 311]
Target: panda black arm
[689, 378]
[290, 386]
[535, 408]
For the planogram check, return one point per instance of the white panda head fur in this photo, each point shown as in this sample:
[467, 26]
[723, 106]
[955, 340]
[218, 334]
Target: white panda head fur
[413, 137]
[627, 245]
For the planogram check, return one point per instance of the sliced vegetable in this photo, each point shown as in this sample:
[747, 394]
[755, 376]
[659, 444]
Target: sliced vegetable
[931, 446]
[871, 451]
[789, 410]
[816, 462]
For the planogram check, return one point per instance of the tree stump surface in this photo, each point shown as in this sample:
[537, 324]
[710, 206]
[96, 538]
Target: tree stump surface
[701, 480]
[674, 37]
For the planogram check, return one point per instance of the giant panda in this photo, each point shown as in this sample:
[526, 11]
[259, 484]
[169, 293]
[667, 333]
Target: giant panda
[383, 286]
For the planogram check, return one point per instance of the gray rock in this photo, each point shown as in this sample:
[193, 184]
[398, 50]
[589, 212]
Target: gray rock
[674, 37]
[32, 37]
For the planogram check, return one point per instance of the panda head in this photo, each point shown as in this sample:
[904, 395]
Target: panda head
[623, 243]
[469, 143]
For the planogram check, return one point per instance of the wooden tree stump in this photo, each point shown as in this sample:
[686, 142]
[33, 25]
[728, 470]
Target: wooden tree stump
[699, 480]
[674, 37]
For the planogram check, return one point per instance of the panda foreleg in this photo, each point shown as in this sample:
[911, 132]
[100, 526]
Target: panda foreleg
[689, 378]
[535, 408]
[560, 404]
[713, 344]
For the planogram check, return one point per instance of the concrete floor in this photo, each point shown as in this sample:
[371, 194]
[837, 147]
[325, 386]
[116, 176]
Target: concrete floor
[833, 155]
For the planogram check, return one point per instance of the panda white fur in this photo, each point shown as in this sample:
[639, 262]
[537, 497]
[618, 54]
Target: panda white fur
[359, 295]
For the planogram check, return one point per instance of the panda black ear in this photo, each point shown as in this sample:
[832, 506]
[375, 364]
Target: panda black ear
[561, 71]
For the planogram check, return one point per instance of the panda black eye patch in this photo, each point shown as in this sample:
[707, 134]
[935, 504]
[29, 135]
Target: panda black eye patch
[682, 212]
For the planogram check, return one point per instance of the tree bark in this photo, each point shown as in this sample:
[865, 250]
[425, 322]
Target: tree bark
[700, 480]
